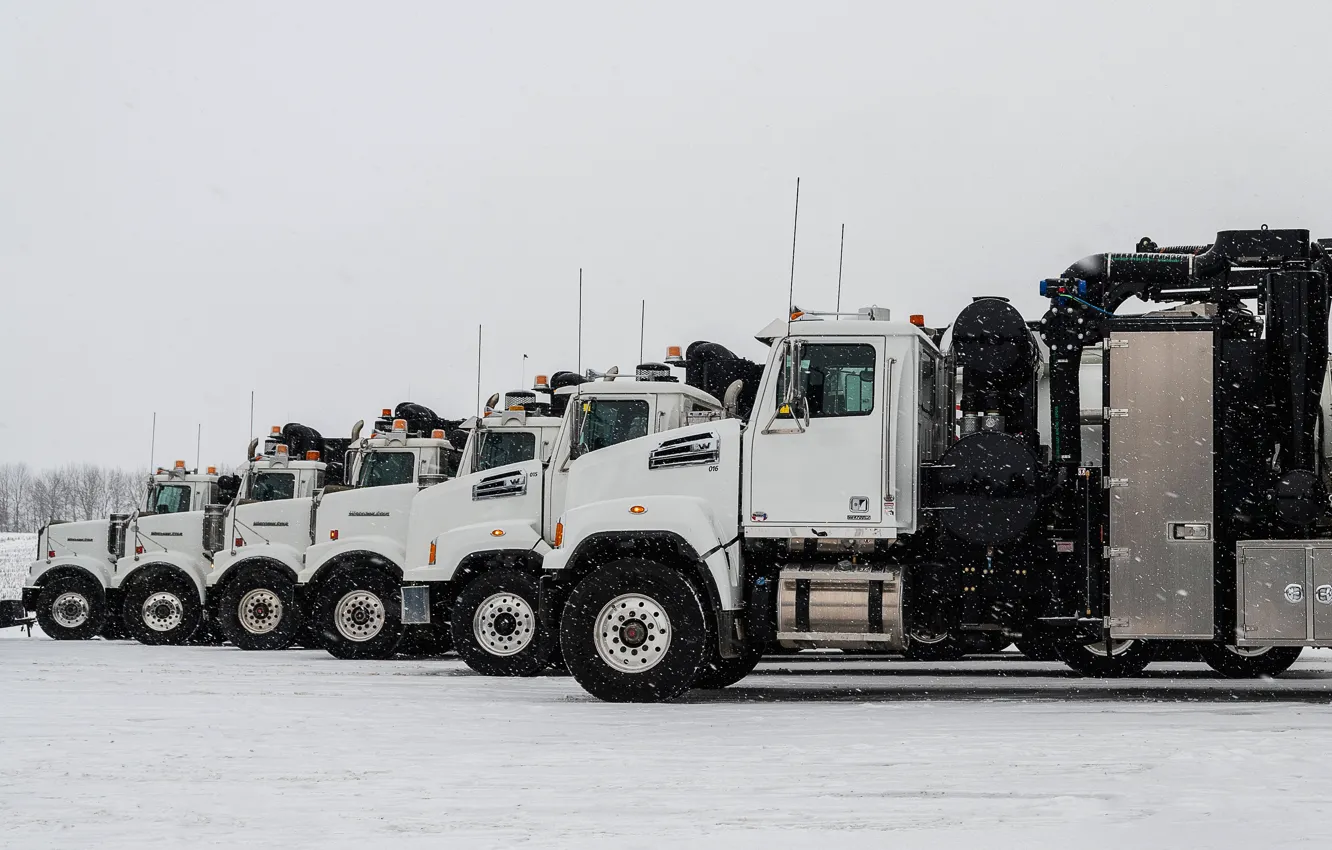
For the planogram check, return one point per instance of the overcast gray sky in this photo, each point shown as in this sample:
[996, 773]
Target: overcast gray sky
[321, 201]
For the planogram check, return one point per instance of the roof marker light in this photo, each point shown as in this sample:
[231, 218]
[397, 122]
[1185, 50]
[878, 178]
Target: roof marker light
[312, 455]
[212, 470]
[180, 464]
[918, 319]
[498, 532]
[277, 429]
[437, 434]
[638, 509]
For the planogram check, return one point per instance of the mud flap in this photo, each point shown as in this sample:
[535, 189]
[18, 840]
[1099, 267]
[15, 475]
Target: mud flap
[416, 605]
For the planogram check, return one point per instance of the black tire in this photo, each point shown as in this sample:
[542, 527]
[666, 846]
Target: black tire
[1126, 657]
[587, 617]
[273, 627]
[358, 614]
[721, 672]
[72, 607]
[495, 627]
[429, 640]
[161, 607]
[1249, 664]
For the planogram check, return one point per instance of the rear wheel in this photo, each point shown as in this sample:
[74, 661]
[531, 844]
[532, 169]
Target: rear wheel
[71, 607]
[358, 612]
[1123, 658]
[495, 626]
[635, 631]
[258, 610]
[162, 607]
[1238, 662]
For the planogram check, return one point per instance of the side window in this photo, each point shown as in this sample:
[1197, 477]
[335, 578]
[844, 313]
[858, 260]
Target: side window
[273, 486]
[172, 499]
[838, 379]
[603, 423]
[498, 448]
[381, 469]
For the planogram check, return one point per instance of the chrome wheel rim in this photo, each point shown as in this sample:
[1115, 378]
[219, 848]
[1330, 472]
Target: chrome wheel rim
[632, 633]
[162, 611]
[260, 611]
[359, 616]
[504, 624]
[1117, 648]
[71, 610]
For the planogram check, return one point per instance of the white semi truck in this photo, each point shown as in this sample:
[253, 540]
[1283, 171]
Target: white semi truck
[475, 544]
[74, 584]
[254, 589]
[163, 583]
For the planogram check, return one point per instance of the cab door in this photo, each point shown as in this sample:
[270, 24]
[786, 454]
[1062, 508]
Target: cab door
[820, 461]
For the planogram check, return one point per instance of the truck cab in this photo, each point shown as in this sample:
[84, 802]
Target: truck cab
[260, 591]
[164, 575]
[74, 585]
[475, 544]
[662, 540]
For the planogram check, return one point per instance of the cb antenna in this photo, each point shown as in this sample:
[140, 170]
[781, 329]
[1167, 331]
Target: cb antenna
[790, 295]
[478, 370]
[841, 249]
[642, 328]
[152, 446]
[198, 446]
[580, 321]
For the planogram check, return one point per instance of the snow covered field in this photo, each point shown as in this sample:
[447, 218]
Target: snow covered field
[121, 745]
[16, 552]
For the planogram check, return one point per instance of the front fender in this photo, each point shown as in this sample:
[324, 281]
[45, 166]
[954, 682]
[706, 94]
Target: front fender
[685, 517]
[319, 555]
[192, 565]
[225, 562]
[455, 545]
[98, 569]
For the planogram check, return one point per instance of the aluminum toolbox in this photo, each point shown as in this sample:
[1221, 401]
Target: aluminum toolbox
[1283, 592]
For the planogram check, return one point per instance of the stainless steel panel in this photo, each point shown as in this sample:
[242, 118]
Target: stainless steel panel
[1321, 594]
[848, 608]
[1274, 584]
[1161, 465]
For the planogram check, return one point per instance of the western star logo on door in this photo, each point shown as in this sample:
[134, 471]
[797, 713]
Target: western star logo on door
[858, 508]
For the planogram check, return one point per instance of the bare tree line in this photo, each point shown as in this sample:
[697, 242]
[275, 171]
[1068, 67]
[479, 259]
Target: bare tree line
[30, 498]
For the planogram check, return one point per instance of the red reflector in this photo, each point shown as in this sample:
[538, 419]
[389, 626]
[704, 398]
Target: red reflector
[50, 553]
[333, 534]
[240, 541]
[138, 550]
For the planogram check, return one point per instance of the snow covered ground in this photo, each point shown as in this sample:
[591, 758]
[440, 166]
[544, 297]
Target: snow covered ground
[16, 553]
[121, 745]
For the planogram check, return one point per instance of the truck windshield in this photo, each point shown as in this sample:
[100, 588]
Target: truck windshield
[605, 423]
[272, 486]
[497, 448]
[380, 469]
[170, 499]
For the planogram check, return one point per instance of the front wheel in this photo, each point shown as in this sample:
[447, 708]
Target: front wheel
[1240, 662]
[635, 631]
[257, 611]
[71, 607]
[495, 626]
[358, 613]
[1123, 658]
[162, 609]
